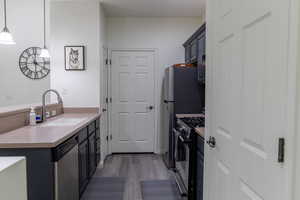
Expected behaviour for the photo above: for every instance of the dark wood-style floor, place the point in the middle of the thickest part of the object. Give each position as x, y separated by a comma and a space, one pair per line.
136, 168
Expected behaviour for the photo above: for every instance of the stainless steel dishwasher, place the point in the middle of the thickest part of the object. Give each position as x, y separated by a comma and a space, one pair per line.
66, 170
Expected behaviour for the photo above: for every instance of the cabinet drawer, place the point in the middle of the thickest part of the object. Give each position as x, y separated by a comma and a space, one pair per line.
82, 135
92, 127
98, 123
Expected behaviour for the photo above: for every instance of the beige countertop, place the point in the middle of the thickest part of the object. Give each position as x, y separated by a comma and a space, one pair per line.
47, 134
200, 131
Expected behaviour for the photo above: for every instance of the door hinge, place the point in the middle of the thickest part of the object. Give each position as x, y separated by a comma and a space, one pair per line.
110, 99
106, 100
111, 137
106, 138
281, 150
108, 62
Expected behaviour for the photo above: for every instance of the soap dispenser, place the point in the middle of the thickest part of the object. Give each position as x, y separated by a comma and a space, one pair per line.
32, 117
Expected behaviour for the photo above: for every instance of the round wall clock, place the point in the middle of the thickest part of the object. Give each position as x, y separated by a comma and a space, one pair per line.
32, 65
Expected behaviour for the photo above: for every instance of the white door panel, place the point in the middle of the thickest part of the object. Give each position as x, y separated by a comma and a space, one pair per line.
133, 92
249, 98
104, 105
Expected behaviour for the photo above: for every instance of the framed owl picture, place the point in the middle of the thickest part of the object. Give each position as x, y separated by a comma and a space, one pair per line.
74, 58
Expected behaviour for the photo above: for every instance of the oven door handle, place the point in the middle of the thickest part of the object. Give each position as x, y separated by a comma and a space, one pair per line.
184, 141
179, 136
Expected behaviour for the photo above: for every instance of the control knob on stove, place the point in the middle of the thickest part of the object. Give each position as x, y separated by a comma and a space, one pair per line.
182, 129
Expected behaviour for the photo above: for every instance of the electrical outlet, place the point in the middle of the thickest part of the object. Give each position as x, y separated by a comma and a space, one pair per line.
65, 92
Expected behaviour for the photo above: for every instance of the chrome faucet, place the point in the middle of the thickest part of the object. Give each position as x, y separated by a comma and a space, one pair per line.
59, 99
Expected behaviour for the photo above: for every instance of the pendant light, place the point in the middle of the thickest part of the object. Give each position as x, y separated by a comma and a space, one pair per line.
5, 36
45, 52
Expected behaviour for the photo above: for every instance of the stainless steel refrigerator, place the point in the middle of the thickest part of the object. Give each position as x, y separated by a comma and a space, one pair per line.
182, 94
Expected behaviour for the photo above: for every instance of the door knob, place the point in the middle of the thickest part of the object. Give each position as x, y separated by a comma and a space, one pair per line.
150, 107
211, 142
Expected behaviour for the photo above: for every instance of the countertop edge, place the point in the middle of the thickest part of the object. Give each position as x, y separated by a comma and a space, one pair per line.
200, 131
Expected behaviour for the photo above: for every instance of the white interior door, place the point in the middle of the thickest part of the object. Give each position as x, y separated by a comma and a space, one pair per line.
248, 42
104, 104
133, 126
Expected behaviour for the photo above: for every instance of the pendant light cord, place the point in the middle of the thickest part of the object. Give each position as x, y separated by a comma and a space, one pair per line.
5, 20
44, 24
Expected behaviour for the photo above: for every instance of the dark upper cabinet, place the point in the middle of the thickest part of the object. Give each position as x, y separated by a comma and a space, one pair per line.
83, 166
195, 51
187, 53
201, 57
201, 45
193, 56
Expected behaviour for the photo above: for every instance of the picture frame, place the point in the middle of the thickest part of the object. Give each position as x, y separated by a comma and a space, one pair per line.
74, 58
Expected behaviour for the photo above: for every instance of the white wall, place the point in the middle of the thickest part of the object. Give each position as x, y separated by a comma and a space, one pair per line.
166, 35
102, 46
296, 158
25, 21
76, 23
79, 23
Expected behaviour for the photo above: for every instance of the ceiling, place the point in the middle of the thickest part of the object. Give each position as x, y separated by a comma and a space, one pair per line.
154, 8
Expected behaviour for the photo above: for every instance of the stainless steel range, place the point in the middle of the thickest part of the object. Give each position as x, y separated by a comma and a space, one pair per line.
185, 144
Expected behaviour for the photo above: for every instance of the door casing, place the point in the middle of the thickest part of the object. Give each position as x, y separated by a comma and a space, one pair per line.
156, 93
103, 96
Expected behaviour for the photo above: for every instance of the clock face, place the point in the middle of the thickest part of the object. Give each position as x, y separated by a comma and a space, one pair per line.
32, 65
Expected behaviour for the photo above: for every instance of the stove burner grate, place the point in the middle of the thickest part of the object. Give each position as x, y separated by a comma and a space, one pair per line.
194, 122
